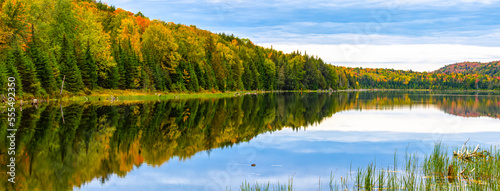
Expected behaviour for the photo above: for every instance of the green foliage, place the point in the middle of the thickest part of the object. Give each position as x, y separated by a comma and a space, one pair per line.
12, 71
108, 47
27, 72
89, 70
399, 79
3, 78
73, 79
44, 70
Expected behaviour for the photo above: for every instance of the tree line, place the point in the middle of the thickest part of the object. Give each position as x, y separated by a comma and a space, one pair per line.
401, 79
489, 68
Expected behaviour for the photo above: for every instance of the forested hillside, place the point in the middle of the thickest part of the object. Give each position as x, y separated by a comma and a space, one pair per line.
490, 68
402, 79
95, 46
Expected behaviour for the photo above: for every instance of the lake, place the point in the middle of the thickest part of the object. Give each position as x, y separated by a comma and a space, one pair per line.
218, 144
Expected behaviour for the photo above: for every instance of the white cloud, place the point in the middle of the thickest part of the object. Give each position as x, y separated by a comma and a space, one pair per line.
419, 43
401, 124
418, 57
390, 4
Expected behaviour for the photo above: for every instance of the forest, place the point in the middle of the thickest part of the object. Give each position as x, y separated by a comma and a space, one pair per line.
95, 46
90, 46
490, 68
407, 79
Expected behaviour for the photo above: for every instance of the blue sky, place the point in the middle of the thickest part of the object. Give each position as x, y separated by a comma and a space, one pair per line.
402, 34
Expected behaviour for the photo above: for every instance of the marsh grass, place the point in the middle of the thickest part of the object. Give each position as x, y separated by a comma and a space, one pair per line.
246, 186
439, 170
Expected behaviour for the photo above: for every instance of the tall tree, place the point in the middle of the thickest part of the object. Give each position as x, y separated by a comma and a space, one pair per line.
44, 69
27, 71
89, 72
12, 71
69, 68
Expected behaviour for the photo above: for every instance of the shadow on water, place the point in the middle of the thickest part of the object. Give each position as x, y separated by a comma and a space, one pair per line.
99, 139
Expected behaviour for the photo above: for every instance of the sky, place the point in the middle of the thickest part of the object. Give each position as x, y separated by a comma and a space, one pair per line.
402, 34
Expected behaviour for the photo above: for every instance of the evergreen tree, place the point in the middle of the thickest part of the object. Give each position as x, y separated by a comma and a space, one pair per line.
132, 68
281, 78
89, 72
3, 78
113, 77
237, 70
121, 60
12, 72
44, 69
248, 77
27, 71
200, 75
192, 82
73, 80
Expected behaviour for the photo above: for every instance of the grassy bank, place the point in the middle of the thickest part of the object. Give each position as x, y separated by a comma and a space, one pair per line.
141, 95
138, 95
467, 168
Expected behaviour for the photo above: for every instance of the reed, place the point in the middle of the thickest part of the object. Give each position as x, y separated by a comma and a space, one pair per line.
467, 168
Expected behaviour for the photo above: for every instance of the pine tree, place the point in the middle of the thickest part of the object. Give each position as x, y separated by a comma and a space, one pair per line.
145, 78
89, 73
3, 78
121, 59
44, 69
189, 77
237, 70
201, 76
27, 71
12, 72
113, 77
248, 77
207, 77
281, 78
69, 68
133, 68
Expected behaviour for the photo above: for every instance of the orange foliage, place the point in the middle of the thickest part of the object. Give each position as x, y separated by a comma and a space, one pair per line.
143, 23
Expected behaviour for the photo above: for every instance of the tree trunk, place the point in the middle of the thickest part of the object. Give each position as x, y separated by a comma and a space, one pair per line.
62, 85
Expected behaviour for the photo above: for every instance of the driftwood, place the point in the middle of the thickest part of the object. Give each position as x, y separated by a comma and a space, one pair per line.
467, 155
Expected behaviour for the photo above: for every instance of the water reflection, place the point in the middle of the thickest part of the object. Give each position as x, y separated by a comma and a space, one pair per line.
103, 140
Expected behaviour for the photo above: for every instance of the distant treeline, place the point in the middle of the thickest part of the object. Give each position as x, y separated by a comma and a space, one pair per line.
401, 79
90, 45
489, 68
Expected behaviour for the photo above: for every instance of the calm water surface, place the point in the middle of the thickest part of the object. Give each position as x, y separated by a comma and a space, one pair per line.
210, 144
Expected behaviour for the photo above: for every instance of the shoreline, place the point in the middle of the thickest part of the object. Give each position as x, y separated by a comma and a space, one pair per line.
117, 95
